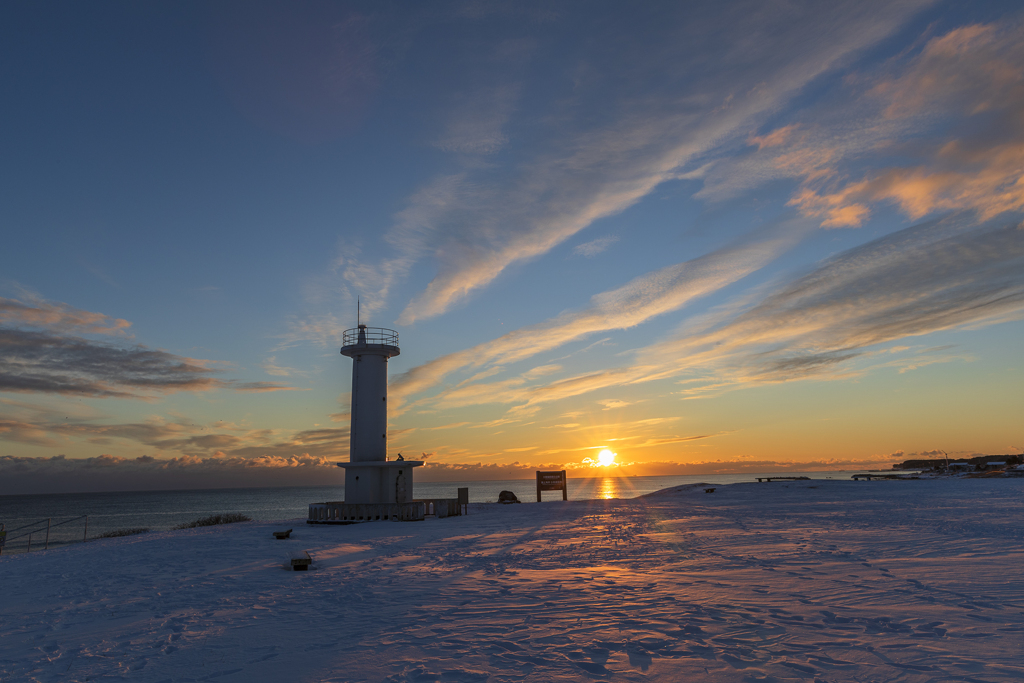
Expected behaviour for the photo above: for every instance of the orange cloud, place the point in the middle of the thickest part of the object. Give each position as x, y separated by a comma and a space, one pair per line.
835, 210
973, 68
774, 139
58, 317
955, 107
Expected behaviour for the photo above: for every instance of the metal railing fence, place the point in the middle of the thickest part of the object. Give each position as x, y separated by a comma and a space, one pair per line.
369, 335
28, 530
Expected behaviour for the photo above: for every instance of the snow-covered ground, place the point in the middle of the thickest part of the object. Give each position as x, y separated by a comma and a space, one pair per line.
815, 580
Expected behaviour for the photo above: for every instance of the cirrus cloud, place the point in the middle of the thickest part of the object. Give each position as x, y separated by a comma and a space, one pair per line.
608, 141
952, 110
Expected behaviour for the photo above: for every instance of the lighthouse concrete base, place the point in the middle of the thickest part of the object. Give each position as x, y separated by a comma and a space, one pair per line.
348, 513
379, 482
416, 511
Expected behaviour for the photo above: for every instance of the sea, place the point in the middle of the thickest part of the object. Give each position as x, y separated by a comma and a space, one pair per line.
36, 521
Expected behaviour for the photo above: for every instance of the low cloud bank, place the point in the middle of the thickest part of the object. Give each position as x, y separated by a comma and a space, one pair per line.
495, 471
60, 474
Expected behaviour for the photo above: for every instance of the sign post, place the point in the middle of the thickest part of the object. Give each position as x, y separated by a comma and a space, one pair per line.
552, 481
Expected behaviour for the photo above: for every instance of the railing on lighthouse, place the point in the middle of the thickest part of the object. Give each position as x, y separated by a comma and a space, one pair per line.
377, 336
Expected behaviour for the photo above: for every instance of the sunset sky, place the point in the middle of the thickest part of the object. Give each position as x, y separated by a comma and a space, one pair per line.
709, 237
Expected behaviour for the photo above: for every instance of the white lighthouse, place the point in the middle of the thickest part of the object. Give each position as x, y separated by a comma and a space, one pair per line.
376, 489
370, 478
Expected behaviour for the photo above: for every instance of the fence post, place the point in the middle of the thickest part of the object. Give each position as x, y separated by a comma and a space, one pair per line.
47, 546
29, 549
85, 534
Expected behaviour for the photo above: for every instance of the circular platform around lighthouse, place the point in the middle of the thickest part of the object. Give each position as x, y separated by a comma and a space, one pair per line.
370, 340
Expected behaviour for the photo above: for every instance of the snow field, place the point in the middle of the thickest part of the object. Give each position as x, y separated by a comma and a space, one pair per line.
816, 581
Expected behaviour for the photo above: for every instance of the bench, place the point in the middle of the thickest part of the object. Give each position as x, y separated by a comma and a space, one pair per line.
709, 490
760, 479
282, 534
300, 560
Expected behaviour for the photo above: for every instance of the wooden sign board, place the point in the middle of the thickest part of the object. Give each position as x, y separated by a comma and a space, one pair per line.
552, 481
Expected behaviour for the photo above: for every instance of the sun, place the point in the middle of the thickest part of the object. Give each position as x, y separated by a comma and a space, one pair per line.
605, 458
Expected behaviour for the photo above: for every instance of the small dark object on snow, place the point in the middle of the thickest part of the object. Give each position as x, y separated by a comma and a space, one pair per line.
282, 534
300, 560
709, 490
507, 497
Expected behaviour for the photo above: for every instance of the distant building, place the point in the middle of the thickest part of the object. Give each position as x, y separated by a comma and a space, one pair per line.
980, 462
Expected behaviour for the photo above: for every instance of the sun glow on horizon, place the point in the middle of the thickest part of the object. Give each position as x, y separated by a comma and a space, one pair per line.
606, 458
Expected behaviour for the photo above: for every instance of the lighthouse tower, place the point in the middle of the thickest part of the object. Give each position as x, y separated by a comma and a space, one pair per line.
370, 478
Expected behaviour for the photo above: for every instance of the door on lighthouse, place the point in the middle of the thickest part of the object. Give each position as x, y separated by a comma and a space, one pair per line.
400, 493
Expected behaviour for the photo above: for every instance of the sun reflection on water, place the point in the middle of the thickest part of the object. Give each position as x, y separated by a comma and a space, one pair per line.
609, 487
606, 488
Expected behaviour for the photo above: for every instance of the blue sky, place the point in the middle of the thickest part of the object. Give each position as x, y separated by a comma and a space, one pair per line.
706, 236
